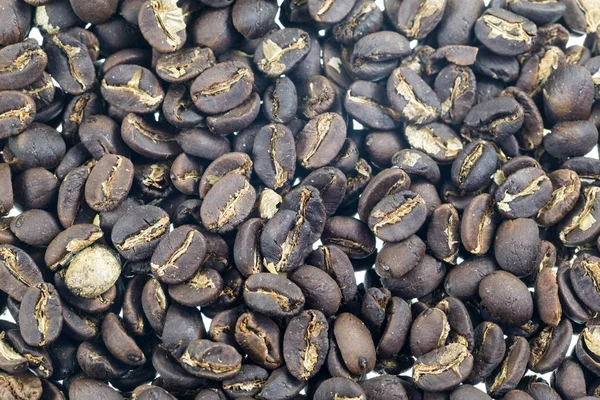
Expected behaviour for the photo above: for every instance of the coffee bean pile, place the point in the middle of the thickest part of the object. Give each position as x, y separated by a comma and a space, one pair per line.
167, 163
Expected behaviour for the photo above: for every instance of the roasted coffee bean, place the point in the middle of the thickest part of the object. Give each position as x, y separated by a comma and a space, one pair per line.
364, 18
11, 361
580, 225
496, 66
337, 387
69, 242
583, 277
498, 292
331, 184
495, 119
473, 166
182, 325
443, 368
38, 146
273, 295
571, 139
211, 360
70, 63
236, 119
260, 337
162, 24
336, 263
354, 343
274, 155
397, 259
96, 362
417, 18
569, 380
387, 182
305, 344
546, 297
148, 138
443, 233
505, 33
419, 281
512, 369
101, 136
119, 343
109, 183
549, 348
581, 17
138, 233
320, 141
321, 291
367, 102
178, 255
222, 87
524, 193
24, 385
329, 12
35, 227
18, 270
155, 304
17, 112
561, 104
516, 245
488, 351
202, 143
566, 187
347, 159
398, 216
412, 97
351, 235
36, 188
214, 28
132, 88
417, 165
285, 240
21, 64
375, 56
281, 383
248, 382
429, 331
40, 315
455, 86
179, 109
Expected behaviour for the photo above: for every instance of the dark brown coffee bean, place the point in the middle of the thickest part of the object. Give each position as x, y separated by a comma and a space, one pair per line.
281, 51
320, 141
505, 33
569, 380
549, 348
355, 343
101, 135
429, 331
566, 188
253, 18
36, 188
516, 246
443, 368
417, 165
495, 119
163, 25
398, 216
498, 292
38, 146
139, 232
21, 64
273, 295
35, 227
281, 383
331, 183
583, 276
305, 344
178, 255
214, 28
172, 372
571, 139
260, 337
417, 18
227, 204
17, 112
132, 88
329, 12
179, 109
280, 101
20, 386
397, 259
320, 290
478, 224
40, 315
222, 87
412, 97
375, 56
274, 155
182, 325
18, 270
387, 182
246, 250
473, 166
119, 343
364, 18
11, 361
547, 298
202, 143
96, 362
70, 63
235, 119
185, 173
580, 225
561, 104
338, 387
367, 102
488, 351
524, 193
511, 370
353, 236
581, 17
109, 183
211, 360
148, 138
75, 157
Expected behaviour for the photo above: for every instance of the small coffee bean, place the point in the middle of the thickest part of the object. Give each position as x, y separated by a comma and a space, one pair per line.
178, 255
274, 155
222, 87
35, 227
571, 139
505, 33
119, 343
516, 246
429, 331
179, 109
321, 292
320, 141
419, 281
524, 193
235, 119
455, 86
561, 104
412, 97
253, 18
364, 18
281, 383
38, 146
355, 343
148, 138
398, 216
21, 64
495, 119
329, 12
163, 25
202, 143
40, 315
512, 368
417, 18
337, 387
580, 225
273, 295
443, 233
211, 360
70, 63
417, 165
488, 351
24, 385
248, 382
397, 259
109, 183
132, 88
137, 234
498, 292
96, 362
549, 348
569, 380
17, 112
172, 372
546, 297
443, 368
473, 166
182, 325
260, 337
375, 56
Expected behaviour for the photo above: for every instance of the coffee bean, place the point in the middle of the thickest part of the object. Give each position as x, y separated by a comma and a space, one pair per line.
579, 226
260, 337
109, 183
163, 26
473, 166
375, 56
364, 18
96, 362
495, 119
38, 146
549, 348
497, 289
70, 63
202, 143
571, 139
23, 385
517, 255
412, 97
148, 138
119, 343
417, 18
207, 359
22, 64
524, 193
489, 348
512, 369
337, 387
273, 295
274, 155
443, 368
398, 216
132, 88
505, 33
572, 105
354, 343
92, 271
